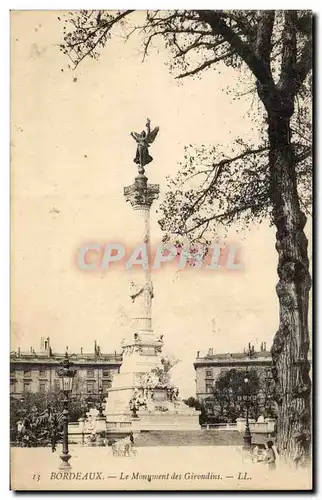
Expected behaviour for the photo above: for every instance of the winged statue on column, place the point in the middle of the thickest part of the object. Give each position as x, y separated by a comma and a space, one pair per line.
144, 140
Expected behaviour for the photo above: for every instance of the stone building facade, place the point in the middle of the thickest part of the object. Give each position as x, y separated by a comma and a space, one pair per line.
209, 366
35, 371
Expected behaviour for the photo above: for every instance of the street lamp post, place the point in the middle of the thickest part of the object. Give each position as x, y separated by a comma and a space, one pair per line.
100, 404
247, 433
100, 419
247, 398
82, 420
66, 375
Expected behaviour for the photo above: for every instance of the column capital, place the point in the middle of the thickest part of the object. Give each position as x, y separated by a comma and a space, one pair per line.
140, 193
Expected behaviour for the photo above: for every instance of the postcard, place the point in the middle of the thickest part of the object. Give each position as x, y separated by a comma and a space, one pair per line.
161, 244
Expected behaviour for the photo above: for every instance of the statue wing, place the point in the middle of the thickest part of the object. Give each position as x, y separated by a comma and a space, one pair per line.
135, 289
136, 136
152, 135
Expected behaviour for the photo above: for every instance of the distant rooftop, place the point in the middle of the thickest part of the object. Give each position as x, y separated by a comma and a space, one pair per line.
248, 355
46, 354
248, 352
238, 355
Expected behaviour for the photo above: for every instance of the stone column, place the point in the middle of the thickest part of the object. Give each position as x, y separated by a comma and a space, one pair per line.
141, 196
142, 314
142, 341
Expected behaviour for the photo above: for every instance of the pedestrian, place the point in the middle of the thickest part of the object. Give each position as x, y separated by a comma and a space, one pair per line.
270, 456
257, 455
53, 441
131, 438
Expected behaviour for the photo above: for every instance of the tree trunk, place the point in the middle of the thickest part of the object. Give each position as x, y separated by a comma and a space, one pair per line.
291, 343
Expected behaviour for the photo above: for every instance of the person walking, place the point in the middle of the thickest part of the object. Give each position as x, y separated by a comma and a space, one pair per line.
270, 458
53, 440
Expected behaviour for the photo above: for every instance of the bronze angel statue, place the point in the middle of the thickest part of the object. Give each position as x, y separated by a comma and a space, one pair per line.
144, 140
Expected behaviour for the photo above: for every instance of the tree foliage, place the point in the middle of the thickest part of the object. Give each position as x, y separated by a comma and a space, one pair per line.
192, 402
40, 402
230, 390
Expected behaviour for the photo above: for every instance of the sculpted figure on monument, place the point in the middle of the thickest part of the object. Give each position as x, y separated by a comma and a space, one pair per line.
137, 401
135, 290
144, 140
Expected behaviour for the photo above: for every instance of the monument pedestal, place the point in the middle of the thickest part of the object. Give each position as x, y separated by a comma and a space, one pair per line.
156, 412
171, 420
154, 420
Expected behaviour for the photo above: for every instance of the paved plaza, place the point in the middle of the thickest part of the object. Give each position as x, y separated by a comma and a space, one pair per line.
153, 468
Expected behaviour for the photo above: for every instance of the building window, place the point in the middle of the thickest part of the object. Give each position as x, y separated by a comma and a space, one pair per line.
90, 387
208, 373
209, 388
12, 387
106, 373
12, 372
90, 373
56, 384
26, 386
42, 387
27, 373
42, 373
106, 385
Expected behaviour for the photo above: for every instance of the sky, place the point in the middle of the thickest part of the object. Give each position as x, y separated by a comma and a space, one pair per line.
71, 156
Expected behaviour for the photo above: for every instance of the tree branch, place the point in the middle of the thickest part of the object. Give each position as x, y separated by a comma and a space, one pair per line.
224, 215
245, 27
105, 26
288, 65
264, 37
217, 167
219, 27
205, 65
303, 156
197, 44
305, 64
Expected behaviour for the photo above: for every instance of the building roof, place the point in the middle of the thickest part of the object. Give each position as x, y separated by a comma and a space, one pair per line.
238, 355
248, 356
47, 356
232, 360
58, 359
229, 359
